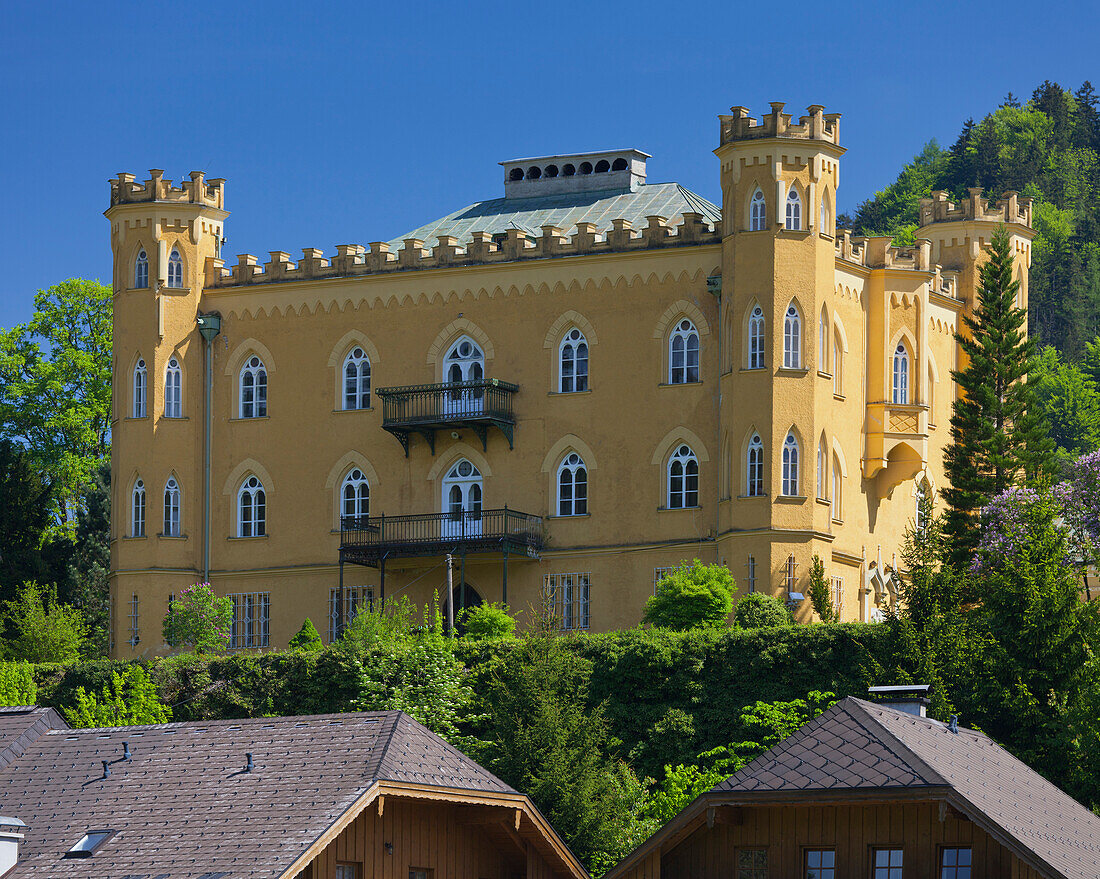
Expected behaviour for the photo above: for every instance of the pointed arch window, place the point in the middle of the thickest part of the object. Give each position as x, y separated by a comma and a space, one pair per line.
253, 389
756, 338
794, 209
823, 342
355, 495
171, 508
826, 226
901, 374
357, 380
754, 467
822, 472
790, 466
141, 270
137, 510
572, 486
683, 479
175, 269
683, 353
573, 360
141, 384
838, 490
758, 212
838, 365
251, 509
792, 338
173, 389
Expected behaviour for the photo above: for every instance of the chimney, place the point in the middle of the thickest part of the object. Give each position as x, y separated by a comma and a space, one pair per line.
907, 698
11, 831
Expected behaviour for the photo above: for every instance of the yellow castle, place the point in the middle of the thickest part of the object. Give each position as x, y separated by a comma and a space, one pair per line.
568, 389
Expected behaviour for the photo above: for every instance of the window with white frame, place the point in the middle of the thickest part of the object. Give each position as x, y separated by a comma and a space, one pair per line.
251, 509
836, 585
790, 466
794, 209
137, 510
135, 638
573, 362
758, 212
356, 599
175, 269
955, 863
141, 270
171, 508
683, 479
141, 378
357, 380
173, 389
823, 342
572, 486
568, 599
822, 472
754, 467
825, 228
838, 490
792, 338
683, 353
253, 389
750, 573
355, 495
251, 626
790, 575
838, 366
659, 574
756, 338
901, 374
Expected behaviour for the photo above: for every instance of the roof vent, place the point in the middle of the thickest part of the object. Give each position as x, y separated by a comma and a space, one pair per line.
622, 170
907, 698
11, 832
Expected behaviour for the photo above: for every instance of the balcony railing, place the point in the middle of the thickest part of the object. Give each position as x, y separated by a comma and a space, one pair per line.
369, 539
424, 409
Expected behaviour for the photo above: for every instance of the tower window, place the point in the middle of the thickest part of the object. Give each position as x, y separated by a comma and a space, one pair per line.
137, 510
683, 479
141, 270
253, 389
572, 486
754, 467
175, 269
758, 212
251, 509
790, 466
551, 170
901, 374
586, 167
603, 166
171, 508
140, 385
792, 338
515, 174
534, 173
573, 360
173, 390
683, 354
794, 209
357, 380
568, 170
619, 165
756, 338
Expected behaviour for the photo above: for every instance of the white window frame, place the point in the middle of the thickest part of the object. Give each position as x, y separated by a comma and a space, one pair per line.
175, 269
901, 375
355, 376
572, 486
838, 366
754, 467
252, 389
251, 501
354, 495
137, 509
680, 493
686, 336
251, 625
822, 472
173, 504
836, 584
823, 342
573, 363
140, 387
790, 575
794, 210
173, 389
660, 573
837, 513
141, 270
758, 211
569, 597
791, 451
792, 338
757, 344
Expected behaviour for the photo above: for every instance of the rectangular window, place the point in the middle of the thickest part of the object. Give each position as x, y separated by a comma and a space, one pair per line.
567, 595
820, 863
347, 871
251, 626
752, 863
419, 873
751, 566
356, 598
955, 863
836, 585
886, 864
134, 637
791, 575
659, 574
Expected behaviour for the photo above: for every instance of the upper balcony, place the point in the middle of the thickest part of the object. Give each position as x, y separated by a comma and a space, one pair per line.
424, 409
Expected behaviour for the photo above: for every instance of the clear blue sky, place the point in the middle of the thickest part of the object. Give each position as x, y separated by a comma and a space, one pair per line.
349, 123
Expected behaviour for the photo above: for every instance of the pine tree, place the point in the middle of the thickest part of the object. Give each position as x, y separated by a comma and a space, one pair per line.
1087, 117
998, 435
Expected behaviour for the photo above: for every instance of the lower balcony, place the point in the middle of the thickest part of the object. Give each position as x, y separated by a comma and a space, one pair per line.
423, 409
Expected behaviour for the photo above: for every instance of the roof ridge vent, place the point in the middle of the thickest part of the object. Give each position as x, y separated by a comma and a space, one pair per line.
623, 170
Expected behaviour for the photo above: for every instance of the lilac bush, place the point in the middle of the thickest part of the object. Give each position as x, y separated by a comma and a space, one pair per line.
1005, 528
1078, 498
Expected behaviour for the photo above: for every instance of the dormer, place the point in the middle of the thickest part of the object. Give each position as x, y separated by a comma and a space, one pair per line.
621, 170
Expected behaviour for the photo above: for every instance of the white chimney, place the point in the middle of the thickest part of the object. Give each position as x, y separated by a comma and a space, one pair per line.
907, 698
11, 831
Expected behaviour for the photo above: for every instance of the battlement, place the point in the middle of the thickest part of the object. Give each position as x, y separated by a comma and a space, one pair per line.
354, 259
878, 252
197, 190
818, 125
1010, 208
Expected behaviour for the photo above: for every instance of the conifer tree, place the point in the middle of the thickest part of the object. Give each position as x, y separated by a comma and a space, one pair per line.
998, 436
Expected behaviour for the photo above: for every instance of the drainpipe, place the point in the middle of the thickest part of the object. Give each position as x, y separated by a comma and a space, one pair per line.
209, 327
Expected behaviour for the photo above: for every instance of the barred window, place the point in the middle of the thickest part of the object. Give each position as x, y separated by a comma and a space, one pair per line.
251, 620
659, 574
134, 637
568, 596
356, 598
836, 584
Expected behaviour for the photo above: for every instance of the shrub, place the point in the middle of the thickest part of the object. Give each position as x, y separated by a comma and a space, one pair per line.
307, 639
690, 597
487, 621
131, 700
759, 611
199, 620
820, 597
17, 684
44, 630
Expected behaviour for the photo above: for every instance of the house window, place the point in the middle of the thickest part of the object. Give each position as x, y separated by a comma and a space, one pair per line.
171, 508
357, 380
253, 389
420, 872
756, 338
820, 863
838, 367
887, 863
251, 509
790, 466
173, 390
823, 342
135, 639
838, 490
355, 495
683, 354
683, 479
251, 625
792, 338
955, 863
89, 843
758, 213
920, 522
137, 510
659, 574
573, 358
572, 486
750, 567
825, 227
347, 871
836, 585
752, 863
356, 599
141, 270
901, 374
567, 596
790, 575
175, 269
822, 472
755, 467
140, 385
794, 209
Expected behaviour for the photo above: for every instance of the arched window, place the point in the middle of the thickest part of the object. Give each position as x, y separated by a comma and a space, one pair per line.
838, 365
931, 395
823, 342
901, 374
822, 472
253, 389
175, 269
758, 212
355, 495
357, 380
794, 209
756, 338
573, 358
838, 490
754, 467
515, 174
683, 479
790, 466
603, 166
171, 508
251, 509
618, 165
826, 224
173, 390
792, 338
137, 510
140, 385
920, 520
141, 270
572, 486
683, 354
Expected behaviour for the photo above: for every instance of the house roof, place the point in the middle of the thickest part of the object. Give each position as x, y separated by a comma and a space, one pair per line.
184, 807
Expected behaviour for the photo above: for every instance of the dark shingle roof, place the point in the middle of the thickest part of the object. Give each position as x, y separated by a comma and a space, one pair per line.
20, 725
183, 807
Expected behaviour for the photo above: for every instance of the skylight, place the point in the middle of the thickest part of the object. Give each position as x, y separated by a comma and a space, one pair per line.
89, 843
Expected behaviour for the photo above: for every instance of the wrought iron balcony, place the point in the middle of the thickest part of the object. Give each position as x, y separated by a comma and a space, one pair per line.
370, 539
424, 409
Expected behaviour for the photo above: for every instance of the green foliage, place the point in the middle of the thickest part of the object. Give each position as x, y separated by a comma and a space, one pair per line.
759, 611
130, 700
198, 620
376, 628
17, 685
1070, 400
89, 562
487, 621
820, 596
691, 596
41, 629
26, 499
307, 638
